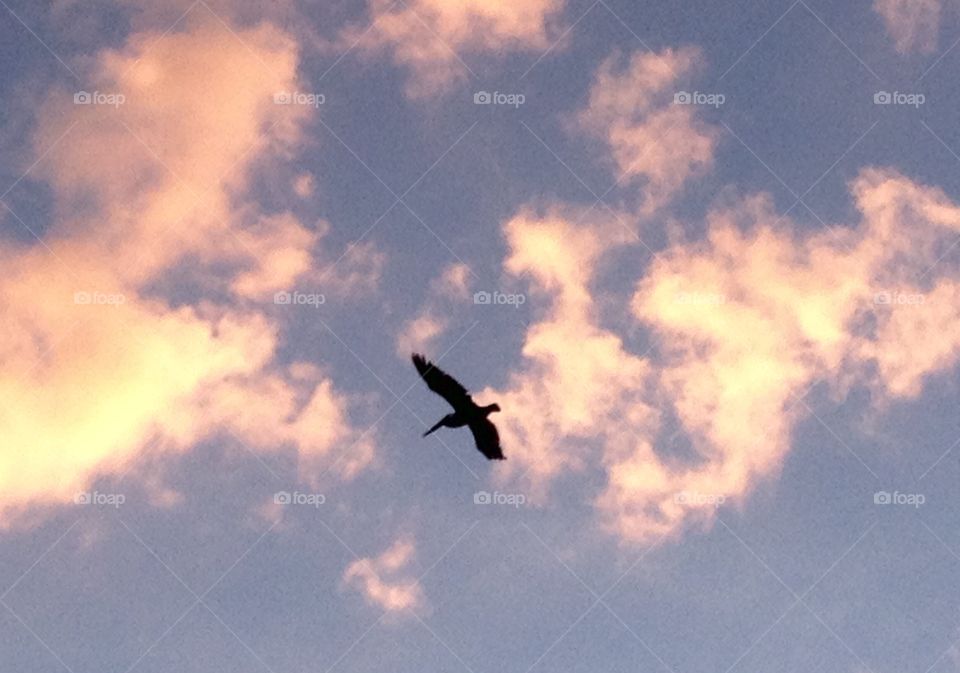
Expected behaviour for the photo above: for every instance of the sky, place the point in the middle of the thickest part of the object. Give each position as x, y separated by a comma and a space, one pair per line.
704, 256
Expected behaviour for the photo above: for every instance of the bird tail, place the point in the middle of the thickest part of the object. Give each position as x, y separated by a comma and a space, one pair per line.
435, 427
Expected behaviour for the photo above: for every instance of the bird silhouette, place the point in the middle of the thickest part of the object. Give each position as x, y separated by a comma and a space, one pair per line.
465, 410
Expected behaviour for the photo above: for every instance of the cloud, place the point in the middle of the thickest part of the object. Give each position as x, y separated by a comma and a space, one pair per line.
420, 333
297, 406
354, 273
653, 141
152, 14
144, 316
385, 580
161, 169
304, 185
278, 250
578, 382
913, 24
453, 283
751, 318
909, 237
429, 37
448, 291
743, 323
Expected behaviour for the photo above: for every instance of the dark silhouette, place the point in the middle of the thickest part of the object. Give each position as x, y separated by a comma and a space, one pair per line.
465, 410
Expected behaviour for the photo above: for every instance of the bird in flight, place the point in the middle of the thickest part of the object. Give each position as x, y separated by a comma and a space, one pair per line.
465, 410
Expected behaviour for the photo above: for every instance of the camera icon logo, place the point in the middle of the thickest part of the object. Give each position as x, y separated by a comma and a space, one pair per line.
281, 498
282, 298
882, 298
682, 98
482, 297
882, 98
82, 298
82, 98
882, 498
482, 498
482, 98
282, 98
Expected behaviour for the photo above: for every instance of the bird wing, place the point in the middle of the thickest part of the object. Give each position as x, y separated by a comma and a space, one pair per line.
487, 439
442, 383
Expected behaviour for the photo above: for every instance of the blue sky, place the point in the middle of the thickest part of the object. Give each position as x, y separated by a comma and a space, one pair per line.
728, 371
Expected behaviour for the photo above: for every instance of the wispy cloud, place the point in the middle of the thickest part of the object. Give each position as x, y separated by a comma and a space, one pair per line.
385, 581
651, 125
421, 332
913, 24
432, 37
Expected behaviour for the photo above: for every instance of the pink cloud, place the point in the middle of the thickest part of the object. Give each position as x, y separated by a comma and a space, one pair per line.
744, 323
913, 24
385, 582
95, 366
652, 141
430, 37
448, 292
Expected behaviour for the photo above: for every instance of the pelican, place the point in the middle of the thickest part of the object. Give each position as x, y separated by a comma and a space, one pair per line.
465, 410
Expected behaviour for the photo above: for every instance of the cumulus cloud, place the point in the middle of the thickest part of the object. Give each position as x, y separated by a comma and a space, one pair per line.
161, 169
653, 141
578, 382
913, 24
142, 318
779, 313
744, 323
430, 37
385, 581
